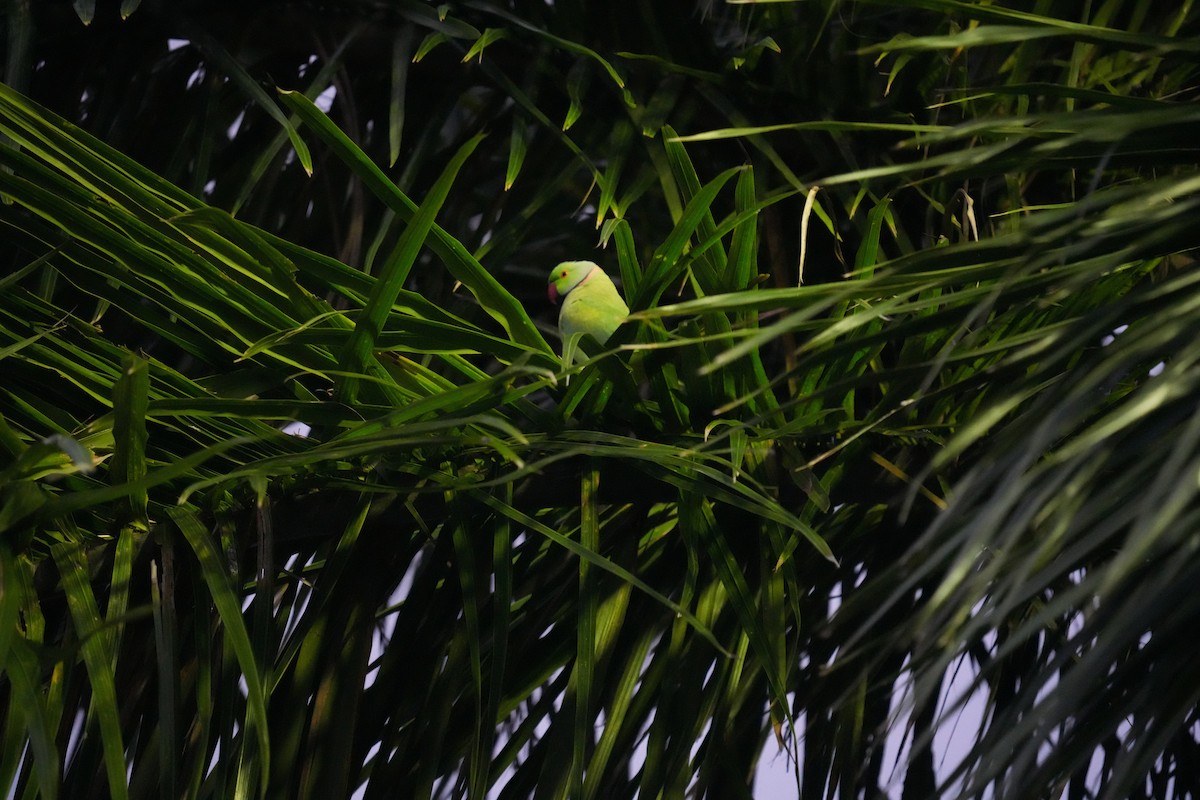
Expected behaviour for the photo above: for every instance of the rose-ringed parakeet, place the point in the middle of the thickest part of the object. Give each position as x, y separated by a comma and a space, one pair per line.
590, 302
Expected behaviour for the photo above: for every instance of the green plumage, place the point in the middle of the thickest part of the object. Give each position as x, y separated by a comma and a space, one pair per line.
590, 302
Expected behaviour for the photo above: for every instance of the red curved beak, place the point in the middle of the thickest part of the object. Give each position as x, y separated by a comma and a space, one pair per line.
552, 293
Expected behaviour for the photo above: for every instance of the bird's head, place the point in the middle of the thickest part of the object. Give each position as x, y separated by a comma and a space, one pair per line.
566, 276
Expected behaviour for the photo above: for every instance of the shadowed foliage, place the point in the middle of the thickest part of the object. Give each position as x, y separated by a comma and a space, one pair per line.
893, 468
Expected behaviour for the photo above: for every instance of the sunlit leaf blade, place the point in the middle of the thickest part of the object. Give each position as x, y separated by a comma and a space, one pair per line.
229, 608
22, 667
86, 10
395, 270
69, 558
496, 300
251, 87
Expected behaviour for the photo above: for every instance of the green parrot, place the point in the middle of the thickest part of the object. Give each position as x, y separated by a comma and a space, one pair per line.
590, 302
